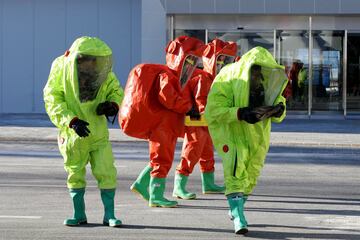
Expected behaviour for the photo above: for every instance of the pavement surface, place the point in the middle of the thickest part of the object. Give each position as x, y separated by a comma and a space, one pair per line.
308, 189
292, 131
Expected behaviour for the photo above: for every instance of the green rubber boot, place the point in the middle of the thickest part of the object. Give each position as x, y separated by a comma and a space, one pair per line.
179, 187
157, 188
236, 203
107, 197
208, 185
245, 197
79, 217
141, 184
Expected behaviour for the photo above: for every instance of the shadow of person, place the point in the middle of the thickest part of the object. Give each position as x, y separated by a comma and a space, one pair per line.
203, 207
284, 235
303, 228
90, 225
177, 228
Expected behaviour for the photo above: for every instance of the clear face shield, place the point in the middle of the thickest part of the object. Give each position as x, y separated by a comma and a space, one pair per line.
265, 85
188, 68
223, 60
92, 72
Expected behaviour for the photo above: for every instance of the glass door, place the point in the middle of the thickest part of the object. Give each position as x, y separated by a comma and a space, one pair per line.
327, 81
353, 73
245, 40
293, 53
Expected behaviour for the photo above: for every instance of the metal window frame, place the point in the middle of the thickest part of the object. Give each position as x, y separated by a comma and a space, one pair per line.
347, 33
345, 62
310, 68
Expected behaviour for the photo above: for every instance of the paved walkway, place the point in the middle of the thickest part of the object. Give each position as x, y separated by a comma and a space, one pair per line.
292, 132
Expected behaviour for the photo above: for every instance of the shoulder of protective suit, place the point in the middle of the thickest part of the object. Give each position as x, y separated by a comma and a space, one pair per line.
57, 60
57, 65
149, 69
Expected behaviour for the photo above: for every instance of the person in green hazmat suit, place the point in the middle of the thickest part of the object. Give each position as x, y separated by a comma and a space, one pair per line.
245, 97
81, 93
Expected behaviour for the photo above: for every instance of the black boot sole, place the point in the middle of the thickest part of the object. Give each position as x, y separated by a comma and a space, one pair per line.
75, 225
242, 231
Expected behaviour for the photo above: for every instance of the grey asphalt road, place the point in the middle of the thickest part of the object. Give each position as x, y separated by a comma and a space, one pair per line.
303, 193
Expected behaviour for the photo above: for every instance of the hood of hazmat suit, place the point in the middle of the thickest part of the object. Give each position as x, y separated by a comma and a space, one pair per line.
155, 96
183, 55
79, 80
217, 54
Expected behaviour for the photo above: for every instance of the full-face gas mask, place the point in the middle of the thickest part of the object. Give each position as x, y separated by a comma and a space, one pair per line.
265, 86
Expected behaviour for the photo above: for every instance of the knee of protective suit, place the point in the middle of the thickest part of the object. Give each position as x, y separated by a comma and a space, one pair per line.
160, 170
103, 168
105, 176
105, 173
185, 167
76, 179
162, 155
207, 165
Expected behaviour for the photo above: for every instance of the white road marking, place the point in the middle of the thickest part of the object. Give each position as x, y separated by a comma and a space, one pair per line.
21, 217
41, 165
338, 222
345, 222
39, 185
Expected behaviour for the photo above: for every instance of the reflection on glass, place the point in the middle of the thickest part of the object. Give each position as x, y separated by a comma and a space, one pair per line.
327, 70
245, 40
293, 54
353, 73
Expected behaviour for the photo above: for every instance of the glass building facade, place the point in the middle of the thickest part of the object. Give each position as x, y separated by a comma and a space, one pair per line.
326, 47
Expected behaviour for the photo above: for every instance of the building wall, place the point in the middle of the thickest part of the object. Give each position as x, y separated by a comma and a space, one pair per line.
34, 32
153, 40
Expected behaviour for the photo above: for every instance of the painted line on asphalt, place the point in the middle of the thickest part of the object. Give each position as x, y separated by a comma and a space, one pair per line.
39, 185
21, 217
41, 165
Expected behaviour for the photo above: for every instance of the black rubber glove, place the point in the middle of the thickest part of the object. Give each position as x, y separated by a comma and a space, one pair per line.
248, 115
107, 108
194, 114
80, 127
279, 110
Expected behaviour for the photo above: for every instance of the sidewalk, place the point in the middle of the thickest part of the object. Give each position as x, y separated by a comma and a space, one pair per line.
292, 132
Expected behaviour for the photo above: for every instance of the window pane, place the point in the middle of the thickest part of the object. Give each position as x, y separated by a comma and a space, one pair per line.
327, 70
293, 54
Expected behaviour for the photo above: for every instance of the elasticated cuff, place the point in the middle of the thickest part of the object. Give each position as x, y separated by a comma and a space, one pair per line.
72, 121
115, 105
239, 114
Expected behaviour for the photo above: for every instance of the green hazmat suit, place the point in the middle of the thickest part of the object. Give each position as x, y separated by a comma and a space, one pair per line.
63, 104
243, 146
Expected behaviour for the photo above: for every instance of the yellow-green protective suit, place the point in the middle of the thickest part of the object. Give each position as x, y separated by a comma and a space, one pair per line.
62, 103
243, 146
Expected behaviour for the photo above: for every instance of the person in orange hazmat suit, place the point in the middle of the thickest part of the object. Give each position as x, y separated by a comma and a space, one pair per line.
154, 108
197, 145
